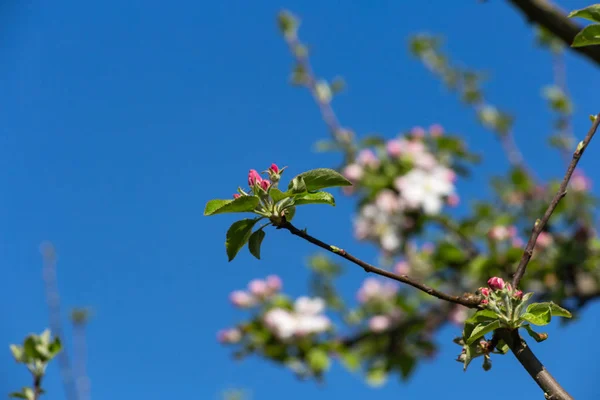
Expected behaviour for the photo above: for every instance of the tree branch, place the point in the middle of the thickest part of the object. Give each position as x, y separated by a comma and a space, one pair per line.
467, 300
562, 191
545, 14
541, 376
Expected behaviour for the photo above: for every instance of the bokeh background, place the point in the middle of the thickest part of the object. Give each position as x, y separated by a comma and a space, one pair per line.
119, 120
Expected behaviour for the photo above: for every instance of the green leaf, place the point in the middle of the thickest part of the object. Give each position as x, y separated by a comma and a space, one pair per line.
538, 337
502, 347
318, 360
255, 241
277, 195
17, 352
241, 204
30, 348
558, 311
590, 35
376, 376
237, 236
591, 13
18, 395
482, 329
289, 213
350, 360
314, 198
322, 178
482, 316
297, 185
538, 317
55, 347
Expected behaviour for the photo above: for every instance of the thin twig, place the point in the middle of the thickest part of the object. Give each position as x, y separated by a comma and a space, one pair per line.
37, 386
53, 300
562, 191
552, 389
79, 363
467, 300
544, 13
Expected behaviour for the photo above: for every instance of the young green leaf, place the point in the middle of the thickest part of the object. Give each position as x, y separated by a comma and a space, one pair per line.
255, 241
591, 13
278, 195
17, 352
558, 311
289, 213
502, 347
590, 35
241, 204
538, 337
314, 198
55, 347
482, 316
322, 178
318, 360
537, 314
238, 235
482, 329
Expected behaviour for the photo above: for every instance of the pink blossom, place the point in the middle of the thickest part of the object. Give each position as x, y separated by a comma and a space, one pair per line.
484, 301
274, 283
436, 130
453, 200
518, 294
496, 283
369, 289
424, 160
544, 240
274, 168
417, 132
366, 157
254, 178
512, 231
379, 323
498, 232
395, 147
258, 288
236, 195
353, 172
484, 291
264, 184
517, 242
231, 335
402, 268
241, 299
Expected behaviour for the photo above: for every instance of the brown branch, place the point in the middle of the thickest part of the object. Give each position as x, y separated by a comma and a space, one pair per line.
545, 14
552, 389
53, 300
467, 300
37, 386
562, 191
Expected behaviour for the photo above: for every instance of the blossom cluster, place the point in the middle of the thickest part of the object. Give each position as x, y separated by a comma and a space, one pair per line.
258, 290
379, 297
419, 182
305, 319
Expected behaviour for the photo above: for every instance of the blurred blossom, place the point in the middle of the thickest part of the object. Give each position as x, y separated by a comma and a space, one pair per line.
458, 315
367, 158
375, 223
402, 268
544, 240
258, 288
579, 182
306, 319
417, 132
274, 283
502, 232
388, 201
436, 130
282, 322
379, 323
426, 189
453, 200
241, 299
353, 172
232, 335
394, 147
308, 306
373, 289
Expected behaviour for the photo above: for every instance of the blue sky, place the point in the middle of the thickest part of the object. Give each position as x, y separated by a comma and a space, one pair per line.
121, 119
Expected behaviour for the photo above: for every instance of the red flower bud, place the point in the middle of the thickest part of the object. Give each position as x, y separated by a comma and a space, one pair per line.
484, 301
518, 294
274, 168
264, 184
236, 196
485, 291
496, 283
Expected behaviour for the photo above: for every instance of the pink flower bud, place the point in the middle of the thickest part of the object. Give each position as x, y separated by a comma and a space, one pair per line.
496, 283
544, 240
264, 184
258, 288
518, 294
484, 301
366, 157
236, 196
394, 147
436, 130
274, 283
274, 168
241, 299
353, 172
485, 292
254, 178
